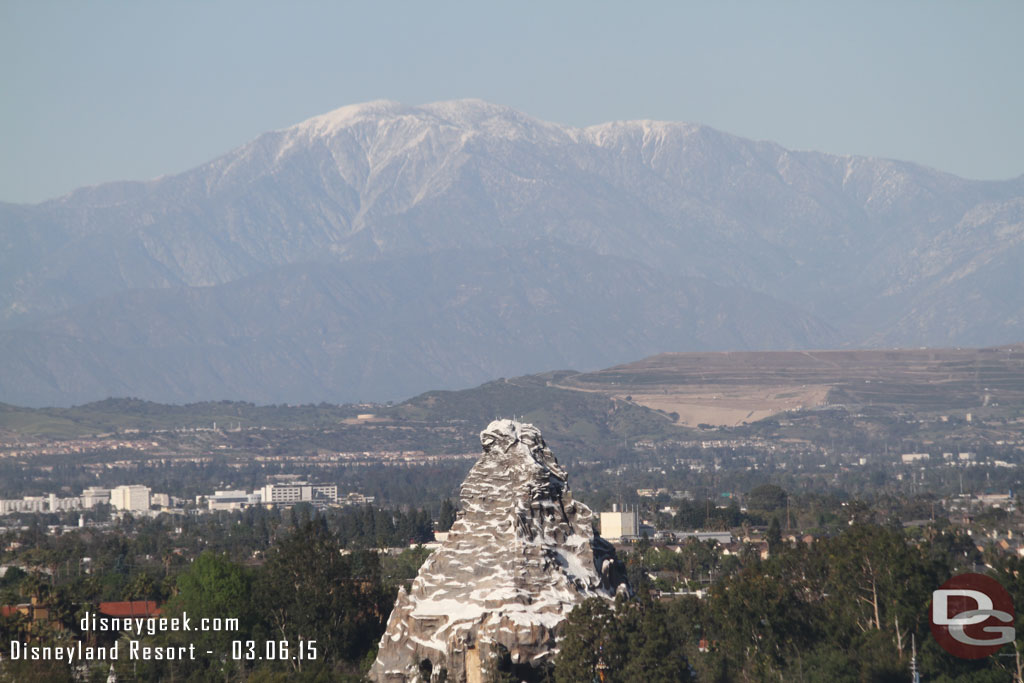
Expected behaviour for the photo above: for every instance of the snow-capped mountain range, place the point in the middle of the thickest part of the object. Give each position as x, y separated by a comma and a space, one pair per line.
380, 250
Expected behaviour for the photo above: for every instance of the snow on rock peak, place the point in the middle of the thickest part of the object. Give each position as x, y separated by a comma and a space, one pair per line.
349, 114
520, 556
468, 115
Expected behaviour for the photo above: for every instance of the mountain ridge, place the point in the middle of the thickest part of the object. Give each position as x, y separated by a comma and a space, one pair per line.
876, 252
315, 315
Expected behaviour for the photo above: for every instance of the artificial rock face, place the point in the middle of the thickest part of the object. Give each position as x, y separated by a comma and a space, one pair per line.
521, 555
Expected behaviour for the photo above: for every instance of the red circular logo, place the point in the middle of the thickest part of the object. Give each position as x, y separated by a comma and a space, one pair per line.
972, 616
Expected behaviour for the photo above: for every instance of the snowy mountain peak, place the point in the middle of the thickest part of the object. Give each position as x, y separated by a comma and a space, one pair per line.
472, 111
466, 115
341, 117
519, 558
726, 243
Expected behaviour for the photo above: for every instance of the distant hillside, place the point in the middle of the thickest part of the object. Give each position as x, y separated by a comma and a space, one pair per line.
569, 416
573, 418
731, 388
662, 397
381, 250
117, 415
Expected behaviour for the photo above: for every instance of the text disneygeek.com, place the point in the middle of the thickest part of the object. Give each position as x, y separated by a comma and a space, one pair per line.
76, 651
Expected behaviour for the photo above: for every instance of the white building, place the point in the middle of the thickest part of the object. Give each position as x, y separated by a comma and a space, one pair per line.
95, 495
721, 537
298, 492
616, 525
232, 500
26, 504
908, 458
70, 503
134, 497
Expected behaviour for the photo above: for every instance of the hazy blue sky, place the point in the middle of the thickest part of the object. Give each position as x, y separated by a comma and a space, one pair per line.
97, 91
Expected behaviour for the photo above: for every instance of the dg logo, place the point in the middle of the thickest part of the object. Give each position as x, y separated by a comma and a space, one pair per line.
972, 616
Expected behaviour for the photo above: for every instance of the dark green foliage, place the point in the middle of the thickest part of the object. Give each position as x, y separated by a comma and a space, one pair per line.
404, 566
628, 641
767, 497
760, 619
447, 516
844, 609
370, 527
656, 650
591, 640
309, 590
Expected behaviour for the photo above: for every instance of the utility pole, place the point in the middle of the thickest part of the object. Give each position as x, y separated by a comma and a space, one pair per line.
707, 511
915, 676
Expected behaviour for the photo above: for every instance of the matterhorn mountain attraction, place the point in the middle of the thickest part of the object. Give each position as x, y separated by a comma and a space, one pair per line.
521, 555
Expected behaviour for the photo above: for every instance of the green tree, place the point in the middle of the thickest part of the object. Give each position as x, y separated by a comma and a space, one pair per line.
446, 516
655, 653
591, 640
767, 497
882, 578
310, 591
213, 587
633, 641
761, 618
143, 586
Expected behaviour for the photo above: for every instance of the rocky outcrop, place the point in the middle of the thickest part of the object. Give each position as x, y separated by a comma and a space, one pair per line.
519, 558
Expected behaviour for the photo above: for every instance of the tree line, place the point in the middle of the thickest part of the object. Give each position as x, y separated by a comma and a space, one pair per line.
846, 607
